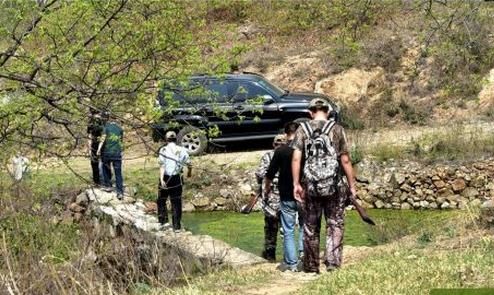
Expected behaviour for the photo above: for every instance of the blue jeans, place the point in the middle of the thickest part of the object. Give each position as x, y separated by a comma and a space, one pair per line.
116, 162
288, 222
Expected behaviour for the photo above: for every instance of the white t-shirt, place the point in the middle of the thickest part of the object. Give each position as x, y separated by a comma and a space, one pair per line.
173, 158
20, 166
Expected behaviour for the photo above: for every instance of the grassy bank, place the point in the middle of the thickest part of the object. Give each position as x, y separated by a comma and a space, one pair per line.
247, 231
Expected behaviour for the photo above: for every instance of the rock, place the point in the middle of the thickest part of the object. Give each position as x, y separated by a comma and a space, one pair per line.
82, 199
379, 204
470, 193
416, 205
433, 205
453, 204
220, 201
128, 200
475, 203
245, 189
67, 218
458, 185
100, 196
403, 197
490, 186
445, 205
74, 207
388, 206
478, 182
78, 217
188, 207
487, 204
224, 193
424, 204
198, 195
397, 180
406, 206
435, 178
439, 184
406, 188
201, 202
151, 207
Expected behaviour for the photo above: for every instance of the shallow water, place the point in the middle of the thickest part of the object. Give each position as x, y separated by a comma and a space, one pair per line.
247, 231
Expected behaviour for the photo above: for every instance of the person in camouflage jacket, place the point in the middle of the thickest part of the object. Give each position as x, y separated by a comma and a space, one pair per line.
271, 203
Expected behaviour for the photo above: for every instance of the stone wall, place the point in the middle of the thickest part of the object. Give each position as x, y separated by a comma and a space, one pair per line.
411, 185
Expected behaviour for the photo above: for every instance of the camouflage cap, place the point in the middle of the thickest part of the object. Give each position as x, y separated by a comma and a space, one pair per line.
279, 139
319, 102
170, 135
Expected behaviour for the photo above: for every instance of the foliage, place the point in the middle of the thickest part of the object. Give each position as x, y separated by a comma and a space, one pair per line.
59, 60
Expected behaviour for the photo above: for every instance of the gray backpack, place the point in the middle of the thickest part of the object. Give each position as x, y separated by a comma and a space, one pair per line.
321, 161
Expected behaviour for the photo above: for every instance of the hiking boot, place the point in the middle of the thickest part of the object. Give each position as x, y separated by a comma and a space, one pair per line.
269, 255
285, 267
120, 196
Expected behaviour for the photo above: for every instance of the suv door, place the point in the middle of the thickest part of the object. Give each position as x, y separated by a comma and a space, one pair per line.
254, 108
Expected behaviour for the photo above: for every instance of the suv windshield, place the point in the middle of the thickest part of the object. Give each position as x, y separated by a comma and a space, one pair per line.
265, 83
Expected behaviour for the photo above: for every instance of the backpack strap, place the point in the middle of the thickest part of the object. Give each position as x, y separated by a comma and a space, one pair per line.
307, 129
328, 126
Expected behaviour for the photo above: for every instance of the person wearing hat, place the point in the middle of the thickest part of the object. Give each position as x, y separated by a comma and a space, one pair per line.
110, 149
281, 163
330, 193
270, 202
172, 159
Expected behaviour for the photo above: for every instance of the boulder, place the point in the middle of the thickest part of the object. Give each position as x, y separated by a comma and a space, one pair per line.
188, 207
82, 199
128, 200
379, 204
151, 207
433, 205
406, 206
220, 201
458, 185
201, 202
487, 204
439, 184
245, 189
397, 180
445, 205
74, 207
470, 193
424, 204
224, 193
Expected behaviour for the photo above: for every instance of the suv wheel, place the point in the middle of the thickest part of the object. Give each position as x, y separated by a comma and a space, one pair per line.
193, 139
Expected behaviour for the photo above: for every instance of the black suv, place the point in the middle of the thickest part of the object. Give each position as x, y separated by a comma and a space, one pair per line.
241, 107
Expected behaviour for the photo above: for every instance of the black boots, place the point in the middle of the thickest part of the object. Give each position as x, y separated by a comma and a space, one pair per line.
269, 254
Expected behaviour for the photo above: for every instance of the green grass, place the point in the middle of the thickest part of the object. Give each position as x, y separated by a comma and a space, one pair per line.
247, 231
410, 271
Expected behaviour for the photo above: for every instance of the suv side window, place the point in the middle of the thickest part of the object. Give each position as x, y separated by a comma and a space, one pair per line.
217, 91
241, 91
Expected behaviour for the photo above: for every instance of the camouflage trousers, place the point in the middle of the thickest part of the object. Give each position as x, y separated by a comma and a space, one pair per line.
334, 212
271, 227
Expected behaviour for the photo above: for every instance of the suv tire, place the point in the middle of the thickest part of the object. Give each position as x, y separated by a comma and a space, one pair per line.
193, 139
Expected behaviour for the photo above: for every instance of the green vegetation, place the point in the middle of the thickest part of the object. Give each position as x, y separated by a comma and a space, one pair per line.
247, 231
411, 271
452, 143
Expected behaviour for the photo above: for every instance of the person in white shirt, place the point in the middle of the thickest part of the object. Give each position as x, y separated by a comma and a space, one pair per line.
20, 166
172, 159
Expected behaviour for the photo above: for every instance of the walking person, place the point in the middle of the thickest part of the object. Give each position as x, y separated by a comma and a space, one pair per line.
110, 149
271, 202
172, 159
95, 131
322, 144
281, 163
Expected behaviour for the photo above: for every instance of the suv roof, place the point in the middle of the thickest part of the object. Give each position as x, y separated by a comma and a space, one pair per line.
240, 76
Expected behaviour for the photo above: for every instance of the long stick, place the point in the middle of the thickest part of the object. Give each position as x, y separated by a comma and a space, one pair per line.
360, 210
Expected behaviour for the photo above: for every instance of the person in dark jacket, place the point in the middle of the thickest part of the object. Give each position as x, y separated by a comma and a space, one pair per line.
110, 149
281, 163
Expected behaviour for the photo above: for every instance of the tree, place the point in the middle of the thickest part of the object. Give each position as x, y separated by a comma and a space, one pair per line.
61, 59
